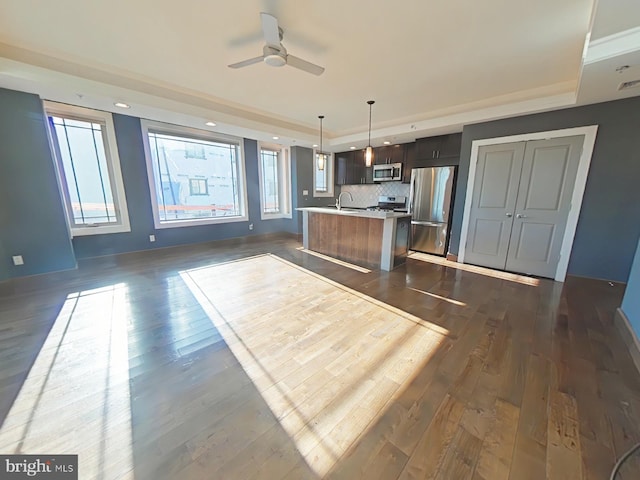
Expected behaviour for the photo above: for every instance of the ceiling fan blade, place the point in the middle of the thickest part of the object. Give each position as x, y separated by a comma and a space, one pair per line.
304, 65
245, 63
270, 29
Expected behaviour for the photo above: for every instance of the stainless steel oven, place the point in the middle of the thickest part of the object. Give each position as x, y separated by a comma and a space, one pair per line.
387, 172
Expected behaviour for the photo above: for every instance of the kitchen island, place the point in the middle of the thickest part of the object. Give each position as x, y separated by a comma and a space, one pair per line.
373, 239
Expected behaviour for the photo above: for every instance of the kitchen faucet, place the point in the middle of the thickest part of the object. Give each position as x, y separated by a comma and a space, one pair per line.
338, 205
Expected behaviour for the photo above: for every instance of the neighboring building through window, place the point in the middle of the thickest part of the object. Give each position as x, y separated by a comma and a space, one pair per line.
198, 186
195, 177
88, 167
323, 179
275, 182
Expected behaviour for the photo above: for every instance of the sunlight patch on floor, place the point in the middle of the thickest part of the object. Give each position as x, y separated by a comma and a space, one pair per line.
439, 297
75, 399
342, 263
512, 277
327, 359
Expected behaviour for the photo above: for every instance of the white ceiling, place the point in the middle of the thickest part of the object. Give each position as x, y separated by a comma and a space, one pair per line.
430, 66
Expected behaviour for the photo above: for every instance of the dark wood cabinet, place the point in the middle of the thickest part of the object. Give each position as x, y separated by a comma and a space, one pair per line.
440, 147
389, 154
409, 162
440, 151
343, 160
351, 170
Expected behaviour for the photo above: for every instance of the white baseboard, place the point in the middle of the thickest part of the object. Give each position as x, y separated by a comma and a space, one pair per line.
628, 335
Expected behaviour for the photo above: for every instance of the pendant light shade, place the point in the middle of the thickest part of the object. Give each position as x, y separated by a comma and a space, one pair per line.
368, 154
320, 155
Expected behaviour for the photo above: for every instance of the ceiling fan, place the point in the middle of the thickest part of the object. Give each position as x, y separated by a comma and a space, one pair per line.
274, 53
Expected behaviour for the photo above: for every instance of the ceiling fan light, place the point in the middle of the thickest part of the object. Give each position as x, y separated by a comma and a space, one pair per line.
275, 60
368, 156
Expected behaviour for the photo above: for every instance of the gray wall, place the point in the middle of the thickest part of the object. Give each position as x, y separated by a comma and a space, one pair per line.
608, 226
631, 301
302, 179
32, 222
4, 264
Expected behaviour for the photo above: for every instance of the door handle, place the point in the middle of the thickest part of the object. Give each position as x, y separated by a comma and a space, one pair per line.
509, 214
520, 215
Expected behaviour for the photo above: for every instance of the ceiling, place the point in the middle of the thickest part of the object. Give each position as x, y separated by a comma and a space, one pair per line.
430, 66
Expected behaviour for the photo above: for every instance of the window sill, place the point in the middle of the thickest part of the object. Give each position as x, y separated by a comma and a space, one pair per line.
99, 230
274, 216
196, 223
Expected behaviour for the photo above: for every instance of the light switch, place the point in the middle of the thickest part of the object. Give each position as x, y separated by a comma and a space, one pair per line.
305, 192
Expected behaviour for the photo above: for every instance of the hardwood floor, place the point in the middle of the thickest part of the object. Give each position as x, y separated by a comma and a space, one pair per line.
218, 361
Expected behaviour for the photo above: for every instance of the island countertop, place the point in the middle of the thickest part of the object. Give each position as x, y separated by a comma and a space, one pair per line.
383, 214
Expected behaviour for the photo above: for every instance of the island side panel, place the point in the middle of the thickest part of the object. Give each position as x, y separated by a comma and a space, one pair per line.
323, 230
388, 244
374, 241
353, 243
353, 239
305, 229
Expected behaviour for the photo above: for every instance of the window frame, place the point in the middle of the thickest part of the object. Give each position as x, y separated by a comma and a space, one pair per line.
329, 169
114, 169
196, 134
284, 181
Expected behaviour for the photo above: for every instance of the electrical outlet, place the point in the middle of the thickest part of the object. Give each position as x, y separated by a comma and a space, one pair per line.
17, 260
251, 226
152, 238
305, 192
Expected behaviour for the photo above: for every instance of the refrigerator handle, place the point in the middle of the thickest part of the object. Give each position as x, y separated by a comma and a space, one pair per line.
411, 193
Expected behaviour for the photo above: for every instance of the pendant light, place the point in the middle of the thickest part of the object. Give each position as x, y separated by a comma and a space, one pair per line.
320, 156
368, 154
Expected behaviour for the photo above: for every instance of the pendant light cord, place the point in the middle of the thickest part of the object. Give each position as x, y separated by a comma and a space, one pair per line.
370, 102
320, 117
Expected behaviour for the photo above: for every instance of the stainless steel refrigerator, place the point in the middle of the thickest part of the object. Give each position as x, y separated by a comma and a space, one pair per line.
430, 204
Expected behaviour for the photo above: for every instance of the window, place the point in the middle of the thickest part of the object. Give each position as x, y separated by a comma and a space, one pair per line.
323, 179
84, 146
198, 186
195, 177
275, 181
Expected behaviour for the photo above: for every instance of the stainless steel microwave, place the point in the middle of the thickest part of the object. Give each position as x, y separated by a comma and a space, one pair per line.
387, 172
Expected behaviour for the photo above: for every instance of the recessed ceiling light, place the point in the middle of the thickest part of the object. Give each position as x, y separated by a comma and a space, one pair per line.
276, 138
122, 105
352, 148
315, 145
386, 143
210, 124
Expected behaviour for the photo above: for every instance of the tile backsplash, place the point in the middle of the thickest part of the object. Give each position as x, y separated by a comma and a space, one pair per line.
367, 195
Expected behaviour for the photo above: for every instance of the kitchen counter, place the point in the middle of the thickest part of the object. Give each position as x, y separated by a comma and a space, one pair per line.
358, 212
373, 239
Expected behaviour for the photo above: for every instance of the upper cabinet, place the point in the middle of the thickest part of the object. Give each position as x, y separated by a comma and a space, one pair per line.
409, 162
389, 154
440, 151
350, 169
436, 148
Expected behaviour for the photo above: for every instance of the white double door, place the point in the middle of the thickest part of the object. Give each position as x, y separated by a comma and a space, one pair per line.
521, 200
